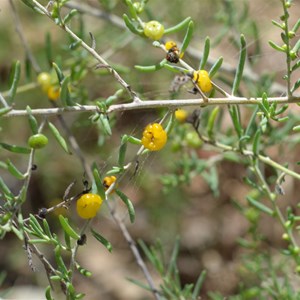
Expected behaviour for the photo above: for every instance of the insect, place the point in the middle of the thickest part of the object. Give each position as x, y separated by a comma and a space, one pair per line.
173, 54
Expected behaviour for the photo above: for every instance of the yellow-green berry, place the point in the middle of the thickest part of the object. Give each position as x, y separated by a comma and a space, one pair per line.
37, 141
154, 30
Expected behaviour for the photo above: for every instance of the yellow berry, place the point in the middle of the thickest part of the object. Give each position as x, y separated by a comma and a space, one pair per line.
170, 44
44, 80
53, 93
154, 137
108, 181
154, 30
88, 205
202, 79
181, 115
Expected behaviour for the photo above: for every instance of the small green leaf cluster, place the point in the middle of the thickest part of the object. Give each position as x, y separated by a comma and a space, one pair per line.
290, 48
171, 287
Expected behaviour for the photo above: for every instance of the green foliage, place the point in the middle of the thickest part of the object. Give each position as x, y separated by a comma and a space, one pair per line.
237, 122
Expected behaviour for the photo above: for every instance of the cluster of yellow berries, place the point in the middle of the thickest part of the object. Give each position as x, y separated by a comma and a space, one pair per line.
201, 78
52, 90
88, 204
154, 137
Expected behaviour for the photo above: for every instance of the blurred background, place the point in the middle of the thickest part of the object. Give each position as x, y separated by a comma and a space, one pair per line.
205, 209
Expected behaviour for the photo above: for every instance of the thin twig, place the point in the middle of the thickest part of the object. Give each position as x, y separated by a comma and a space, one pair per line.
265, 159
152, 104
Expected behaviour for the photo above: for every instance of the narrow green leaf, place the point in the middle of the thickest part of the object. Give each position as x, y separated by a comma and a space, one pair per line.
35, 226
83, 271
75, 45
48, 293
15, 149
15, 80
179, 26
151, 68
134, 140
260, 206
122, 151
198, 285
5, 189
38, 241
251, 123
28, 69
140, 284
102, 240
98, 181
281, 110
176, 69
187, 37
215, 67
128, 203
29, 3
131, 9
256, 141
235, 116
14, 171
296, 128
174, 255
276, 47
147, 251
211, 122
5, 110
240, 67
64, 93
294, 67
70, 15
296, 47
111, 99
265, 101
296, 86
59, 260
277, 24
59, 137
284, 38
283, 119
131, 26
59, 72
67, 228
47, 229
48, 48
32, 121
104, 121
205, 53
296, 26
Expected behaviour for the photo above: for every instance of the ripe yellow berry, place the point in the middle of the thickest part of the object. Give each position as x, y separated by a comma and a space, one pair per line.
202, 79
108, 181
88, 205
44, 80
170, 44
53, 93
181, 115
154, 30
154, 137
